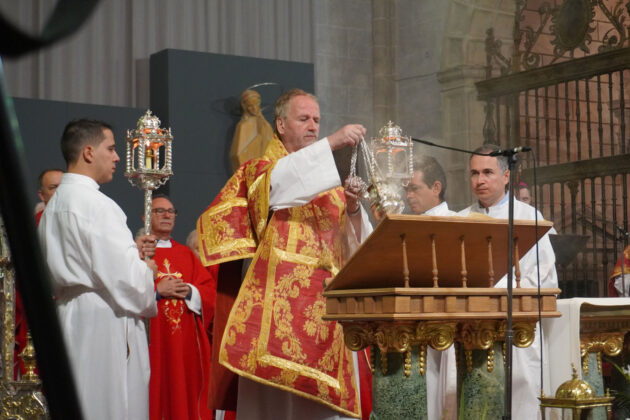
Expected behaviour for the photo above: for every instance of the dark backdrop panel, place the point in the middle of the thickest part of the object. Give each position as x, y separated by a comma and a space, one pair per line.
41, 125
198, 96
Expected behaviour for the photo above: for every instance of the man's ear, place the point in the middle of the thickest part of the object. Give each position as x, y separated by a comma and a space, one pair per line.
437, 187
87, 153
40, 195
280, 125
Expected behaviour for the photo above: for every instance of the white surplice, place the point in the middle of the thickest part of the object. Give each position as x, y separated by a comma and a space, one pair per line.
103, 290
296, 179
526, 384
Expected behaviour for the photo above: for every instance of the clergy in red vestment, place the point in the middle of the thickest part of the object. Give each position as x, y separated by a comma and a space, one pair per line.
179, 347
48, 181
289, 214
616, 283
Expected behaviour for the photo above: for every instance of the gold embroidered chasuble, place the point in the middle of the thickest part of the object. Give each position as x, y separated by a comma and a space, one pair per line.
274, 334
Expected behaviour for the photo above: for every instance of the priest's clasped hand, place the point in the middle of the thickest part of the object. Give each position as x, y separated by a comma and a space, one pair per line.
173, 288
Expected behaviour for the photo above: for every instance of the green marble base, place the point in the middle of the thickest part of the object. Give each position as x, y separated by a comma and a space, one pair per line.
394, 395
596, 380
480, 393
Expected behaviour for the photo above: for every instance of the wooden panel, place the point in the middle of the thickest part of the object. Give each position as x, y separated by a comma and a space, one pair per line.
379, 305
478, 304
369, 305
351, 305
403, 304
389, 304
417, 304
429, 304
451, 304
503, 306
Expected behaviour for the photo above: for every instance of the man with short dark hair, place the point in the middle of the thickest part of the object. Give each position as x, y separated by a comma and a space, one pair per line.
489, 177
47, 182
427, 188
288, 212
103, 288
179, 346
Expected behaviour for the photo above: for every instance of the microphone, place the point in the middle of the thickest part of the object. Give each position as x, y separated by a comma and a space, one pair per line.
510, 152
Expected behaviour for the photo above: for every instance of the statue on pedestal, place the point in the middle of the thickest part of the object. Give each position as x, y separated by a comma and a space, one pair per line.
253, 132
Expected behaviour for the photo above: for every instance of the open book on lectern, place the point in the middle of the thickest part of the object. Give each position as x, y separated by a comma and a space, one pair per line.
474, 248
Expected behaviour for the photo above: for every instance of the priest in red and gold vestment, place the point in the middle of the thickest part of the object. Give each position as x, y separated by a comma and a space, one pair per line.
615, 282
179, 346
287, 212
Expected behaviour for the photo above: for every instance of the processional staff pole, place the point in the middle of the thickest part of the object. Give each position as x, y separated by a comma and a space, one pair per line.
149, 159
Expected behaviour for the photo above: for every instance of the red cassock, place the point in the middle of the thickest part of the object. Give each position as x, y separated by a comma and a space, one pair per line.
179, 346
21, 326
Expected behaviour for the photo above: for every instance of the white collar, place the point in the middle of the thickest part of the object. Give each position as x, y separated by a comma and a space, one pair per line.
163, 243
437, 208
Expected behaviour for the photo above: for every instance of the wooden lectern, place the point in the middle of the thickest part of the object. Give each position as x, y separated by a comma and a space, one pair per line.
421, 281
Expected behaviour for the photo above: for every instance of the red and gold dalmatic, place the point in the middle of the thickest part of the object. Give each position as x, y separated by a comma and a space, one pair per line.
275, 334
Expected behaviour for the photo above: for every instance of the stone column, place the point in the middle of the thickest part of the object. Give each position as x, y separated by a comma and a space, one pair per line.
399, 389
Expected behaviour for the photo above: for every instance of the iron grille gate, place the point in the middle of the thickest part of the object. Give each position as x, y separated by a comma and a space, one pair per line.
573, 114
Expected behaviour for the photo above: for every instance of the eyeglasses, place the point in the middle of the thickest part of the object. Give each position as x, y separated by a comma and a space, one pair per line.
160, 210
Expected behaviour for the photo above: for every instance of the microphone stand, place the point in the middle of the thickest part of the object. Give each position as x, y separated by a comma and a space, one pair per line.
511, 155
509, 332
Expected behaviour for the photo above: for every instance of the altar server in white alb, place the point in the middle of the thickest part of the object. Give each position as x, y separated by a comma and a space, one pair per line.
489, 177
103, 287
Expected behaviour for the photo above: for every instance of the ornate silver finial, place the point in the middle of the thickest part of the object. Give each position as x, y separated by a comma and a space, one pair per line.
149, 159
148, 120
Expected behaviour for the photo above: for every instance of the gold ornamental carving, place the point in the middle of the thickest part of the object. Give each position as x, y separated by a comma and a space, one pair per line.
21, 399
524, 334
358, 336
610, 344
482, 334
479, 335
439, 336
401, 337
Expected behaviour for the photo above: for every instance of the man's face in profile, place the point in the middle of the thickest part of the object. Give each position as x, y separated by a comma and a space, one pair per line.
420, 196
300, 128
50, 182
